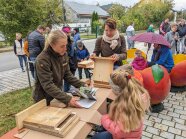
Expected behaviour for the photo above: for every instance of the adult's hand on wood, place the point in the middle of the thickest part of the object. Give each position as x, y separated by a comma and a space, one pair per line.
73, 102
92, 56
115, 57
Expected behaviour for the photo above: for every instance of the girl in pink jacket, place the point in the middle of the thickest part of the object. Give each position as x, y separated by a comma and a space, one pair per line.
139, 62
127, 111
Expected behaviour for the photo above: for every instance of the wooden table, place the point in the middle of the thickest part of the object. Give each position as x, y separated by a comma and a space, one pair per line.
82, 128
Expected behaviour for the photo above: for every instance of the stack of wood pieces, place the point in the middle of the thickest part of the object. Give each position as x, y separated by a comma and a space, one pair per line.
86, 64
50, 120
103, 67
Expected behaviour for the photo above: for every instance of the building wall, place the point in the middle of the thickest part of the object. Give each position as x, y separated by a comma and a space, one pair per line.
71, 16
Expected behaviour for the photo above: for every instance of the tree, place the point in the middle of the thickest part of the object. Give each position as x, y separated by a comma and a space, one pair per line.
93, 21
25, 15
117, 10
152, 12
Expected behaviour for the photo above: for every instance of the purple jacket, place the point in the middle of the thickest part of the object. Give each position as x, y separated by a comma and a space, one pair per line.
139, 63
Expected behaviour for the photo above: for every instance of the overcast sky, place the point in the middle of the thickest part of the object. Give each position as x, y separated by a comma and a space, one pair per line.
179, 4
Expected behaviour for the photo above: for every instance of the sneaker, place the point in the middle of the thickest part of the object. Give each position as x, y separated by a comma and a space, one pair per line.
23, 70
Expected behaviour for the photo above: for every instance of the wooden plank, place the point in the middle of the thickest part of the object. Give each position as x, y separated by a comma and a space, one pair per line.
103, 58
101, 82
80, 131
48, 117
66, 122
103, 67
85, 64
64, 133
20, 117
58, 133
99, 85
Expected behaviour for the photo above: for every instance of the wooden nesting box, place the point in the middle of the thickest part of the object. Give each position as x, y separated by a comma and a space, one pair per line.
103, 67
50, 120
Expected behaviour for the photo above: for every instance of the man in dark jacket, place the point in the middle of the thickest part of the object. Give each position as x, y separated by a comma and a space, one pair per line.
182, 33
71, 55
164, 27
51, 69
36, 42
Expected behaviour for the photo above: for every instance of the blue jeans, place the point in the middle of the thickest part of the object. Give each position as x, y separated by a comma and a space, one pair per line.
21, 58
87, 73
32, 66
102, 135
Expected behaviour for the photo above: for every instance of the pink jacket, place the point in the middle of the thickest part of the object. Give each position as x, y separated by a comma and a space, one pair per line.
117, 133
139, 63
115, 130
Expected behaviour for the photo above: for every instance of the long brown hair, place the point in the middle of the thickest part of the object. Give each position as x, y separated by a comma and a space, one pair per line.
128, 108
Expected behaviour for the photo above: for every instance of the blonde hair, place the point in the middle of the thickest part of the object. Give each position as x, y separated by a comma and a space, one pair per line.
53, 37
19, 34
128, 108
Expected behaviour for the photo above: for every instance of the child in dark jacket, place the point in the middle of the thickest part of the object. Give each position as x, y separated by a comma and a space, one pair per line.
139, 62
82, 54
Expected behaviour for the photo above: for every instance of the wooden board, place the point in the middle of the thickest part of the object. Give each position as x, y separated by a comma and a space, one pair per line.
99, 85
85, 64
80, 131
58, 133
25, 113
103, 67
48, 117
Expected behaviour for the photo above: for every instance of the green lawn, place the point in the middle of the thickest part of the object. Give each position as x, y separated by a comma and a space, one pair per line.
93, 36
3, 44
10, 104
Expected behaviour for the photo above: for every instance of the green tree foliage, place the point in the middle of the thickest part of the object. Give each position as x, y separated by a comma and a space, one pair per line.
94, 21
117, 10
142, 14
25, 15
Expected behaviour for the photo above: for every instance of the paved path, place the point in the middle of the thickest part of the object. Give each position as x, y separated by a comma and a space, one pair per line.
169, 124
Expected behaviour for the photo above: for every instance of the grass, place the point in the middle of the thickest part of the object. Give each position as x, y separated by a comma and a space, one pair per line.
10, 104
4, 44
92, 36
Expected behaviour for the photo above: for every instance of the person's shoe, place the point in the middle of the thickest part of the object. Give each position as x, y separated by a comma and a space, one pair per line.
157, 108
23, 70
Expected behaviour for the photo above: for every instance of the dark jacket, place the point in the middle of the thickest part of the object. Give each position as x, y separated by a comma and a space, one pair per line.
82, 54
71, 54
182, 30
51, 70
35, 43
164, 28
163, 57
104, 49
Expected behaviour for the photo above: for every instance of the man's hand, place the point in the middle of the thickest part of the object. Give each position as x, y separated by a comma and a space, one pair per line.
73, 102
115, 57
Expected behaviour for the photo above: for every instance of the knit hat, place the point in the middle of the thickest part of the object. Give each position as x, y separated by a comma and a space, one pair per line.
66, 29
